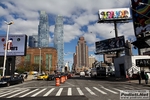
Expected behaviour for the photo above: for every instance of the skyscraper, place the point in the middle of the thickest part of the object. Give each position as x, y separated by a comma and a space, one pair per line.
43, 30
81, 55
33, 41
59, 42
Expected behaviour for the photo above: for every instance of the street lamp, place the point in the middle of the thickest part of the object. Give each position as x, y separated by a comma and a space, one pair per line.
4, 64
40, 62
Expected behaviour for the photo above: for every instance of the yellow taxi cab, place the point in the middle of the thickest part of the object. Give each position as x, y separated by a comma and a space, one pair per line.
42, 77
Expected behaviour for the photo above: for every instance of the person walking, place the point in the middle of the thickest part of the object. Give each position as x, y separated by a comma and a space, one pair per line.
146, 78
139, 78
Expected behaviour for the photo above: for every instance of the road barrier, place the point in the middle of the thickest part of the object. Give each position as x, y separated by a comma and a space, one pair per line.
57, 82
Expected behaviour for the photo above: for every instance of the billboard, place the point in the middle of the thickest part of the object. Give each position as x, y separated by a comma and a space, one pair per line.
16, 45
143, 62
114, 14
141, 16
109, 45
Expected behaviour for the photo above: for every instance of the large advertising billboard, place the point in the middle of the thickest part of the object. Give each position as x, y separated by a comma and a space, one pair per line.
114, 14
109, 45
141, 16
16, 45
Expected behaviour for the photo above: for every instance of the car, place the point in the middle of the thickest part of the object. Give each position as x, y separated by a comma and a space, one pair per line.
51, 77
10, 80
42, 77
82, 74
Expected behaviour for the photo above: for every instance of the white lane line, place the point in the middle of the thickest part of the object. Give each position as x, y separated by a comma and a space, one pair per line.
79, 91
99, 90
38, 92
29, 93
109, 90
59, 92
51, 90
91, 92
17, 94
6, 92
69, 83
9, 93
69, 91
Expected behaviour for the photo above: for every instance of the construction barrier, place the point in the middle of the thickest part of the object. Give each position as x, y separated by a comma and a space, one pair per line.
61, 79
57, 82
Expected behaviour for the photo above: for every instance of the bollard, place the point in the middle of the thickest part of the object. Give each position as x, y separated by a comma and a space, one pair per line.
57, 82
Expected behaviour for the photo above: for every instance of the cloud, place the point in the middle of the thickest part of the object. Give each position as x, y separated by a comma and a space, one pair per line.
80, 18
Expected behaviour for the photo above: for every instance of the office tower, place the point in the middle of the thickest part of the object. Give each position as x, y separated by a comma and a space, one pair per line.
59, 42
91, 61
33, 41
82, 55
43, 30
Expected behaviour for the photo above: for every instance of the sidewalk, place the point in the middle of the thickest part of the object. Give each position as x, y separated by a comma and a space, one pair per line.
134, 81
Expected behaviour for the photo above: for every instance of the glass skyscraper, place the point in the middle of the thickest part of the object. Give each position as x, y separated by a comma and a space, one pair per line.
59, 42
43, 30
33, 41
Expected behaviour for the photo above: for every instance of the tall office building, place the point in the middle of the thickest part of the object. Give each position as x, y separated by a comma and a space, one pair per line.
82, 55
33, 41
43, 30
59, 42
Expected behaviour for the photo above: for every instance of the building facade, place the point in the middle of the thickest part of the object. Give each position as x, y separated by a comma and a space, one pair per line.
33, 41
47, 55
91, 61
59, 42
82, 55
43, 30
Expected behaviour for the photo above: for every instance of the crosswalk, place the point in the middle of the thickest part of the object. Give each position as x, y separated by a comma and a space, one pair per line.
62, 91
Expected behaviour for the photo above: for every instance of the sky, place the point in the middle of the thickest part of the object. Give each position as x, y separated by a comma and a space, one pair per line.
80, 19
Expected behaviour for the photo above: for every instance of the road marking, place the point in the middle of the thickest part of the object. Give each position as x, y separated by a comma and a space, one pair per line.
109, 90
9, 93
117, 89
80, 92
6, 92
29, 93
38, 92
51, 90
91, 92
59, 92
99, 90
69, 91
17, 94
69, 83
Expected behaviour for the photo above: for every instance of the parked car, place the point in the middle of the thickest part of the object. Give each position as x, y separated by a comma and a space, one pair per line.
10, 80
51, 77
42, 77
82, 74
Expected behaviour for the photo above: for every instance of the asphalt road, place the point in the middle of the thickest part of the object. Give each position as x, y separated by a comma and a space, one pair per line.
75, 88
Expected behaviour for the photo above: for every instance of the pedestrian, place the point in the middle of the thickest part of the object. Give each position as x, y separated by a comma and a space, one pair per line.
146, 78
139, 78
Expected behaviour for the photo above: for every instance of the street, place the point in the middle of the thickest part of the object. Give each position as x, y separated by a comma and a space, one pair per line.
75, 88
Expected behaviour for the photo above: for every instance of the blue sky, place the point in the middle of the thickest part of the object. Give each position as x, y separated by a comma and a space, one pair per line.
80, 19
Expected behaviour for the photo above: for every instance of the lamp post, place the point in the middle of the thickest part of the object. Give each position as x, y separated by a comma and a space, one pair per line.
40, 62
4, 64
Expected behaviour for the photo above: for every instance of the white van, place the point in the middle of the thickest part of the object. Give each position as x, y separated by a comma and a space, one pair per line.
82, 74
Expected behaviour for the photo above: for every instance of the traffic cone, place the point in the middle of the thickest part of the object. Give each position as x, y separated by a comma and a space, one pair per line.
57, 83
